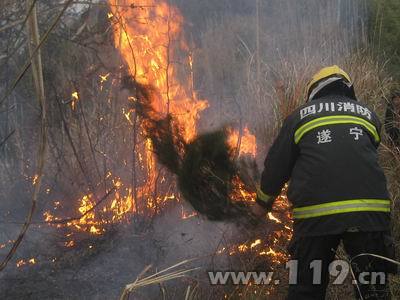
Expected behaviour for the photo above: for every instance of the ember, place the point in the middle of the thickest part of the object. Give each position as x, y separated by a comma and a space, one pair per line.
168, 109
22, 262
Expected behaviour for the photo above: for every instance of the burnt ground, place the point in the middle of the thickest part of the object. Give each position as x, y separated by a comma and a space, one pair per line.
82, 272
99, 268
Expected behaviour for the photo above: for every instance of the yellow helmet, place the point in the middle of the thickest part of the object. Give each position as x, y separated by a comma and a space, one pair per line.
333, 72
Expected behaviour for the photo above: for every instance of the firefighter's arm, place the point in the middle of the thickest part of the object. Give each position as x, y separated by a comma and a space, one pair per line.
278, 166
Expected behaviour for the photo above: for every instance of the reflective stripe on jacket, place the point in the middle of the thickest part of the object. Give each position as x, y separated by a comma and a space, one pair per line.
327, 151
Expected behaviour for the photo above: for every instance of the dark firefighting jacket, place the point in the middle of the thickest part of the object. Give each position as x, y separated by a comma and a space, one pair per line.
327, 151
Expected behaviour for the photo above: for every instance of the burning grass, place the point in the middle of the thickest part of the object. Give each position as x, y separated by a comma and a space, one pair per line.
164, 160
204, 167
373, 86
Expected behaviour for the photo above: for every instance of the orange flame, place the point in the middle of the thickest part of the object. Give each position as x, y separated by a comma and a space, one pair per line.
149, 48
151, 42
247, 142
74, 100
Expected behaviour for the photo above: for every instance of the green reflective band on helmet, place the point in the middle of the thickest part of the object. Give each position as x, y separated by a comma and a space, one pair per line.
332, 120
341, 207
263, 196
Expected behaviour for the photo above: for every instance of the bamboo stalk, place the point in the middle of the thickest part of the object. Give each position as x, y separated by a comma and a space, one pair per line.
37, 72
37, 48
35, 44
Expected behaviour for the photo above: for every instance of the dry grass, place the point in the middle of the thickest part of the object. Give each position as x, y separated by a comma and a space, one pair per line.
373, 87
227, 72
158, 278
282, 89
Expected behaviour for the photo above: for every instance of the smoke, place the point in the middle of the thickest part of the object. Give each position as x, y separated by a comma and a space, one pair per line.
295, 38
99, 269
247, 68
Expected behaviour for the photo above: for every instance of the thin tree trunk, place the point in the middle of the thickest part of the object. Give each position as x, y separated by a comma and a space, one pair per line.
258, 62
33, 44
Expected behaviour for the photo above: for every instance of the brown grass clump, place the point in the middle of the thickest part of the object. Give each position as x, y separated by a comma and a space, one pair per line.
373, 86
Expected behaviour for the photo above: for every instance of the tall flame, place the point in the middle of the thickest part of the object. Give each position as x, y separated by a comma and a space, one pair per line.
246, 142
150, 39
151, 42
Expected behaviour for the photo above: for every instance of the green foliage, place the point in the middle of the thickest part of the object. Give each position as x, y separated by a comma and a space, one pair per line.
385, 31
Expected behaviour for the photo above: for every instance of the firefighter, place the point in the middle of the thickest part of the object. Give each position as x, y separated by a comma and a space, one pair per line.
392, 120
327, 149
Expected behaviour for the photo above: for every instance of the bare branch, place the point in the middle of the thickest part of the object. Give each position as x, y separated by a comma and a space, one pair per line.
3, 142
29, 63
35, 59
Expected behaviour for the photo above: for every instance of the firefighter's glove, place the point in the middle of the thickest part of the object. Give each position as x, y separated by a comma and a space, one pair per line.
264, 200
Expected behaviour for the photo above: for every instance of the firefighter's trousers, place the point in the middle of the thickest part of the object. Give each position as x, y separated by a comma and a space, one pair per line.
372, 284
